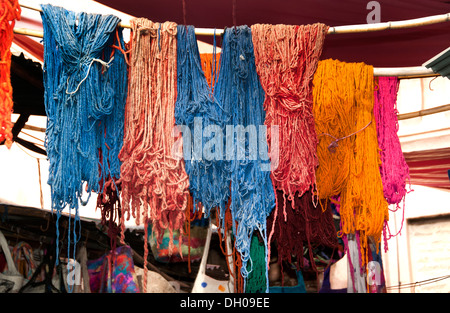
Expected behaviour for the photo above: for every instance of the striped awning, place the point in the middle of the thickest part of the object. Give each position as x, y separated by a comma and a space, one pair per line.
429, 167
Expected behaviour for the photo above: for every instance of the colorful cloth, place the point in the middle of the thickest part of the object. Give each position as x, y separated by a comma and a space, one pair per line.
113, 272
164, 254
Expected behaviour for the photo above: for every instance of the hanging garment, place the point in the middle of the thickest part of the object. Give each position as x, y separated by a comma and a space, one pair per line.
113, 272
356, 277
154, 182
286, 58
198, 114
9, 12
345, 124
85, 82
394, 169
375, 273
241, 95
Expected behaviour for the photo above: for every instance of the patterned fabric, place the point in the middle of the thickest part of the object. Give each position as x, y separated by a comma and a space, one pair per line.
118, 278
194, 249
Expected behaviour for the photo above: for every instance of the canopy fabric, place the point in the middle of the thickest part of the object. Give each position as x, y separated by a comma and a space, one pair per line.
429, 167
390, 48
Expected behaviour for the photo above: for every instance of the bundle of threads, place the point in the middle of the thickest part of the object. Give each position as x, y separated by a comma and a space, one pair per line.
9, 12
85, 89
210, 65
394, 169
345, 123
108, 200
306, 228
286, 59
197, 112
241, 95
154, 182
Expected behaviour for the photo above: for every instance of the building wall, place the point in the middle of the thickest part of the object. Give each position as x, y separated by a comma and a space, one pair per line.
421, 251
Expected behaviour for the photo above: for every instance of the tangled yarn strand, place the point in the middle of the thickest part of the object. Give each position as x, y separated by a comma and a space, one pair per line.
9, 12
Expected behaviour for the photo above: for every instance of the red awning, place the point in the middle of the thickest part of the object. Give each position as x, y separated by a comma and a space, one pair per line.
390, 48
429, 167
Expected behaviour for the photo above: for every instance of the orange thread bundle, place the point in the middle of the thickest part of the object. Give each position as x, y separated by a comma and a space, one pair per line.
210, 67
9, 12
335, 118
343, 107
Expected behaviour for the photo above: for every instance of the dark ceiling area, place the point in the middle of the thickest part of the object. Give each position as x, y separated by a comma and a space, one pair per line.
390, 48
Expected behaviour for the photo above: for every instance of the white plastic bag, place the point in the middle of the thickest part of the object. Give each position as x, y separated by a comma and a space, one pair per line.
10, 280
206, 284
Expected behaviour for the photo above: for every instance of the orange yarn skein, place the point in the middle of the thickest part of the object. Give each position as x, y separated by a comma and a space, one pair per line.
208, 64
9, 12
348, 150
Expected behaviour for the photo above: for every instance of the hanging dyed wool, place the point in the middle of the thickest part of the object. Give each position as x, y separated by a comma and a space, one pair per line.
85, 89
154, 182
286, 58
210, 65
394, 169
335, 119
363, 208
201, 119
256, 281
111, 138
306, 227
240, 93
9, 13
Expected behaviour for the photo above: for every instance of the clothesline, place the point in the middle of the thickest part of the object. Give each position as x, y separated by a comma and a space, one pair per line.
414, 71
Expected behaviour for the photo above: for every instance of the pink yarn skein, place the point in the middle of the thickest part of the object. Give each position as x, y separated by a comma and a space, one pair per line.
394, 169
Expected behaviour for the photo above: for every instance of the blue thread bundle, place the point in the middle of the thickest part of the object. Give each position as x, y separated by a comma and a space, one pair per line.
240, 93
196, 111
85, 91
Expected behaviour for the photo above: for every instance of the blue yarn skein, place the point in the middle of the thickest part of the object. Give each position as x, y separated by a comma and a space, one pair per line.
85, 92
196, 110
239, 91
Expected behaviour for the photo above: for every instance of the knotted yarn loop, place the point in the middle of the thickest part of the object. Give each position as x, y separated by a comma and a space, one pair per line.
105, 65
